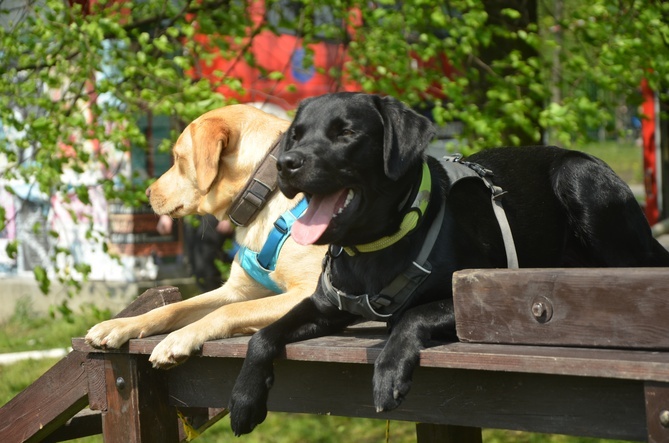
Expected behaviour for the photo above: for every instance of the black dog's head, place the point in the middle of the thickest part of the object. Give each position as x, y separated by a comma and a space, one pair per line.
355, 156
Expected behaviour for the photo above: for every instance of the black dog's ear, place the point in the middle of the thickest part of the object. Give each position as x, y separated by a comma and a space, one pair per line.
406, 135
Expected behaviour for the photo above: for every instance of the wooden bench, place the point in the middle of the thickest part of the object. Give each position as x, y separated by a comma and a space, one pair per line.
458, 389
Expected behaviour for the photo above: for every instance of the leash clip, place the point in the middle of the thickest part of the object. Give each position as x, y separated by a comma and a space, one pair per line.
480, 170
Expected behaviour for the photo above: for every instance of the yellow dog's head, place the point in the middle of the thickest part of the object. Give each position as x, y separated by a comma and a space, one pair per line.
213, 159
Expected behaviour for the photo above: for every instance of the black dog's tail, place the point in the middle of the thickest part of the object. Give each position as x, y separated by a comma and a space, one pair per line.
598, 201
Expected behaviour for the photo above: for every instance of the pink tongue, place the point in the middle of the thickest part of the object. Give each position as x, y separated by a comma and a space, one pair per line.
309, 228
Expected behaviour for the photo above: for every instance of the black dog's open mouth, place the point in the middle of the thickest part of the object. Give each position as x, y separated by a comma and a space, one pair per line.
323, 209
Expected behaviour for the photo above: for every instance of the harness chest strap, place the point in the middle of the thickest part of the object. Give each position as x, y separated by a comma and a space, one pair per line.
260, 264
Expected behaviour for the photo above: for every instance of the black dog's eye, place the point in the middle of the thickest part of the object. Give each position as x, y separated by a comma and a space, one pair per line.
296, 134
338, 128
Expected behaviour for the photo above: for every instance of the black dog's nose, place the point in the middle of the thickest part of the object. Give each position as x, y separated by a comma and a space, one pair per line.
289, 162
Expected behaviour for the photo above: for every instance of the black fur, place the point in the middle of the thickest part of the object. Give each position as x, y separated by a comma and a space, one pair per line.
565, 209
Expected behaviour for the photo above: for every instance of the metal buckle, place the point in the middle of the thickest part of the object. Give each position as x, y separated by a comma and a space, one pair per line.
281, 227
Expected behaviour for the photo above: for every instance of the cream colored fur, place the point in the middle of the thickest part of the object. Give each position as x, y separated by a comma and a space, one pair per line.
213, 159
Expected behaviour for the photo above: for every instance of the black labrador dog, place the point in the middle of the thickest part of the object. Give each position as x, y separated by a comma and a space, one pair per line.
374, 197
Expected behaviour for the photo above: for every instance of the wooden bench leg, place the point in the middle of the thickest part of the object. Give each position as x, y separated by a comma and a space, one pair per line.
657, 411
137, 402
431, 433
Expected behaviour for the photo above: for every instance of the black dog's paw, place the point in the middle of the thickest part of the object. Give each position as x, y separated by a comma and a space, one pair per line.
392, 382
248, 402
245, 414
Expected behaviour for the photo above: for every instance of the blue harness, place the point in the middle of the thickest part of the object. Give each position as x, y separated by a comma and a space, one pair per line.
258, 265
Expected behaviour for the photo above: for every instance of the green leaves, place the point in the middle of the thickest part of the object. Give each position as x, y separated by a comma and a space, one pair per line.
514, 79
42, 279
511, 13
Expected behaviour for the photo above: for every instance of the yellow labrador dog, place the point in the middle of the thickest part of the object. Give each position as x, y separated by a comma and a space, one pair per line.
214, 158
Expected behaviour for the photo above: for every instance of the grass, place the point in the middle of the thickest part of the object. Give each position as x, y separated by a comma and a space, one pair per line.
18, 376
26, 331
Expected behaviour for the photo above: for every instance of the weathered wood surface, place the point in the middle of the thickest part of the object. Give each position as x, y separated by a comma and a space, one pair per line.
137, 402
620, 308
657, 411
151, 299
584, 406
62, 391
360, 346
48, 403
430, 433
578, 391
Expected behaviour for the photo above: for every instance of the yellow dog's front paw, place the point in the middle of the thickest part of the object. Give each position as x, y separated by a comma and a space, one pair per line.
111, 334
174, 350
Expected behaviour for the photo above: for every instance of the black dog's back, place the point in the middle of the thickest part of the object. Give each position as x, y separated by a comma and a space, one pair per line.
566, 208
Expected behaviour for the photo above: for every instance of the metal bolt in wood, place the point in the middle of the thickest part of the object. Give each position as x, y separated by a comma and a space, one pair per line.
664, 418
542, 309
539, 310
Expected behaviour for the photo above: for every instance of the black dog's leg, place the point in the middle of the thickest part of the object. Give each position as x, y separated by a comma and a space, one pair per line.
311, 318
394, 368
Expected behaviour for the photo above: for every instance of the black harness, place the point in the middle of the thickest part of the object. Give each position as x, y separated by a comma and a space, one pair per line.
394, 296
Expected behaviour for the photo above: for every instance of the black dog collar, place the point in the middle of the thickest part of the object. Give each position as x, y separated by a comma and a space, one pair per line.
260, 187
411, 220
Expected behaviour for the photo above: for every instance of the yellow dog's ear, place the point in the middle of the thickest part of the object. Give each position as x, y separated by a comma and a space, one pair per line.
210, 138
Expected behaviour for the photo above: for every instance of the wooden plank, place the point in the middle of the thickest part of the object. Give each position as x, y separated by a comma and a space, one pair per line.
97, 390
657, 412
612, 307
605, 363
150, 299
594, 407
356, 345
47, 403
431, 433
137, 407
361, 347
